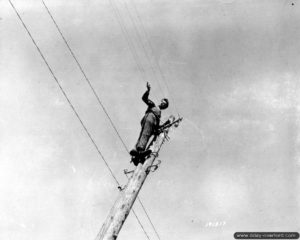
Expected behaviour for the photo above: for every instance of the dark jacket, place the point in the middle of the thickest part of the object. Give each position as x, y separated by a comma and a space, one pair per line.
152, 108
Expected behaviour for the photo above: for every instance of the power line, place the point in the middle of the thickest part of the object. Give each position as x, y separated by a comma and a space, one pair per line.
149, 219
99, 101
71, 105
160, 70
154, 55
85, 76
143, 46
148, 216
140, 223
129, 42
64, 93
126, 34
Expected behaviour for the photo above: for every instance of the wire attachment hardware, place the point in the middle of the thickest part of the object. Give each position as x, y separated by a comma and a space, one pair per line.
126, 172
154, 167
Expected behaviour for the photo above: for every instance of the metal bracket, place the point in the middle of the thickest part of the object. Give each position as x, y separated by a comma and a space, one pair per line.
126, 172
155, 154
173, 122
154, 167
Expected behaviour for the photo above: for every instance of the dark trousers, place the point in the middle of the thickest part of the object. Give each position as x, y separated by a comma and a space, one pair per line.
148, 123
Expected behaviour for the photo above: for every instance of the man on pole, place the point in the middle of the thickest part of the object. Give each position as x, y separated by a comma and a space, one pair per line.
150, 126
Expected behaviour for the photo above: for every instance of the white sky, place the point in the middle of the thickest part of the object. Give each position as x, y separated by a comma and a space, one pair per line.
233, 73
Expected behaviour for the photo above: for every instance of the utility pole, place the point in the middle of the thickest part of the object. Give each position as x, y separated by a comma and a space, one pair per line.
119, 212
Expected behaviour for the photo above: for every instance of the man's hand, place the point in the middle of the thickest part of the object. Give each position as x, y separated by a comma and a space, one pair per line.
148, 86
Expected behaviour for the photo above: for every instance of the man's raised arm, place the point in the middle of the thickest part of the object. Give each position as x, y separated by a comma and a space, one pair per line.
145, 97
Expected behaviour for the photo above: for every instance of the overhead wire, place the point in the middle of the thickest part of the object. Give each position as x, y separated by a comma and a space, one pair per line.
140, 223
160, 70
142, 44
64, 93
126, 35
129, 42
153, 71
99, 101
157, 64
154, 54
131, 46
71, 105
149, 219
154, 228
85, 76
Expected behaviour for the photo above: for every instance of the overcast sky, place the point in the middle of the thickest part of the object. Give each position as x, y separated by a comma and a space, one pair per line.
232, 71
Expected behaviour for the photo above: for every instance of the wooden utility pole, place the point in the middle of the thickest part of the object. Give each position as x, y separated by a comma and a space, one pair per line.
119, 212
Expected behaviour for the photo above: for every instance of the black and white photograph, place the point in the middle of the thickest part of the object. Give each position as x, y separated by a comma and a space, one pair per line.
149, 119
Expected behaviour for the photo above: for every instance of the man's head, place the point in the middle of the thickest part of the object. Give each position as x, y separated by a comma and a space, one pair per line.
164, 104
